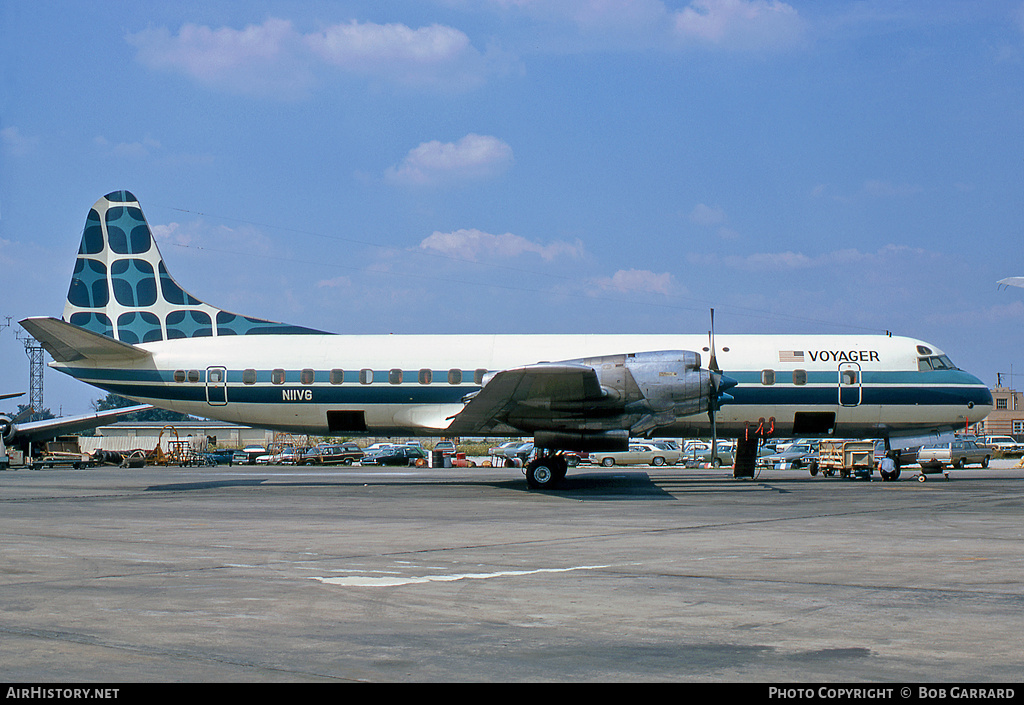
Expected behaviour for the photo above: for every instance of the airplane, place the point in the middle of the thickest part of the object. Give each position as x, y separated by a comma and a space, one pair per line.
129, 328
13, 432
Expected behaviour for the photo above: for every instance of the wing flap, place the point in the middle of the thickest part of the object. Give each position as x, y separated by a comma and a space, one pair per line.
69, 343
523, 392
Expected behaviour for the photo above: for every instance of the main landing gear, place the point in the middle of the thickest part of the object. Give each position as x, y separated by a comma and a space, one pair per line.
546, 470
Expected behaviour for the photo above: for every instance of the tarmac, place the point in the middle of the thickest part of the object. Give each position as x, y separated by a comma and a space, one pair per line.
285, 574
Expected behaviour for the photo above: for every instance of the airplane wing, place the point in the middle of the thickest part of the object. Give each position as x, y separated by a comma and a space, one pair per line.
1012, 281
11, 396
51, 428
68, 343
529, 397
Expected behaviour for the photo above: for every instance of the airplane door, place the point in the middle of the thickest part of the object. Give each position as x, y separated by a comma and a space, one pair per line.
849, 384
216, 386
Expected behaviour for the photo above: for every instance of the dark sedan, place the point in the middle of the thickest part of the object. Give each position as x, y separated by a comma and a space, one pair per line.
397, 455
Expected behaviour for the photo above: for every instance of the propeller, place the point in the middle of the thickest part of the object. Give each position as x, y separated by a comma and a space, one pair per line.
718, 384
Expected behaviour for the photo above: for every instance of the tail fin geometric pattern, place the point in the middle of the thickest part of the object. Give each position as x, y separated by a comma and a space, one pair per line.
121, 288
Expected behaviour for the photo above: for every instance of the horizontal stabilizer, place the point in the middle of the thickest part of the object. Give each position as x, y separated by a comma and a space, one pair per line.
69, 343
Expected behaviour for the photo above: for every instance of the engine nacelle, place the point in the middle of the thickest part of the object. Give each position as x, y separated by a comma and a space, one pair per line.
660, 382
607, 441
6, 428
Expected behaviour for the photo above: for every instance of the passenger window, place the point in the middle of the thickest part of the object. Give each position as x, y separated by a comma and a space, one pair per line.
277, 376
478, 376
799, 377
454, 376
193, 375
179, 375
216, 376
395, 376
767, 376
249, 376
337, 376
306, 376
426, 376
365, 376
849, 377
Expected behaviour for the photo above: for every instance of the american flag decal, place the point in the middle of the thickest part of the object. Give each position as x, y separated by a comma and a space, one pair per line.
791, 355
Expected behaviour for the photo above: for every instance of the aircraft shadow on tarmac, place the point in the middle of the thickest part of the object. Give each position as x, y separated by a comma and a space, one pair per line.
626, 485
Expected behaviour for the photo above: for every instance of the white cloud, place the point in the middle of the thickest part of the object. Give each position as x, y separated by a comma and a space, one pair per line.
713, 217
135, 150
472, 157
476, 245
196, 235
836, 260
637, 24
274, 59
739, 24
16, 143
638, 280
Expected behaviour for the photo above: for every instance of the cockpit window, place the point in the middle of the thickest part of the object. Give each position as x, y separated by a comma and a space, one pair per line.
935, 362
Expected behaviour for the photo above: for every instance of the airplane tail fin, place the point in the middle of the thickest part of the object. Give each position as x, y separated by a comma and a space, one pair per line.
121, 289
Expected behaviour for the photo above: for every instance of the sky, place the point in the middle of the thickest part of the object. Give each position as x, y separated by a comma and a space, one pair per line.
530, 166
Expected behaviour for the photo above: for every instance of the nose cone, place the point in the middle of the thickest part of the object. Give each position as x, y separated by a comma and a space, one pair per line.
979, 401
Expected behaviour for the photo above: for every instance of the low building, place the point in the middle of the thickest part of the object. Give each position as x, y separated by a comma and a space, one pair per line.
1007, 417
145, 435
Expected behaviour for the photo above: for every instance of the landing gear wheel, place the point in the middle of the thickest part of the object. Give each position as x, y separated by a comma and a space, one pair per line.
921, 478
545, 473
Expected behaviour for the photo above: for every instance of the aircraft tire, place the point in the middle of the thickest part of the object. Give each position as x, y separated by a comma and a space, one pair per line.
543, 474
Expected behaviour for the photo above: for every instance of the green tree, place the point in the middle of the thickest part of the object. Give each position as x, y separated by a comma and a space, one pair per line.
113, 401
31, 415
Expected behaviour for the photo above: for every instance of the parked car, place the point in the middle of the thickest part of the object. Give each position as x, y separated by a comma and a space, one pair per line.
498, 451
219, 457
446, 447
248, 455
397, 455
376, 447
334, 454
1003, 444
957, 454
701, 452
520, 452
637, 454
796, 455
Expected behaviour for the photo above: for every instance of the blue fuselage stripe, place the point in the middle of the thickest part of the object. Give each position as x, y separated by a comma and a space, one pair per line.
879, 388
